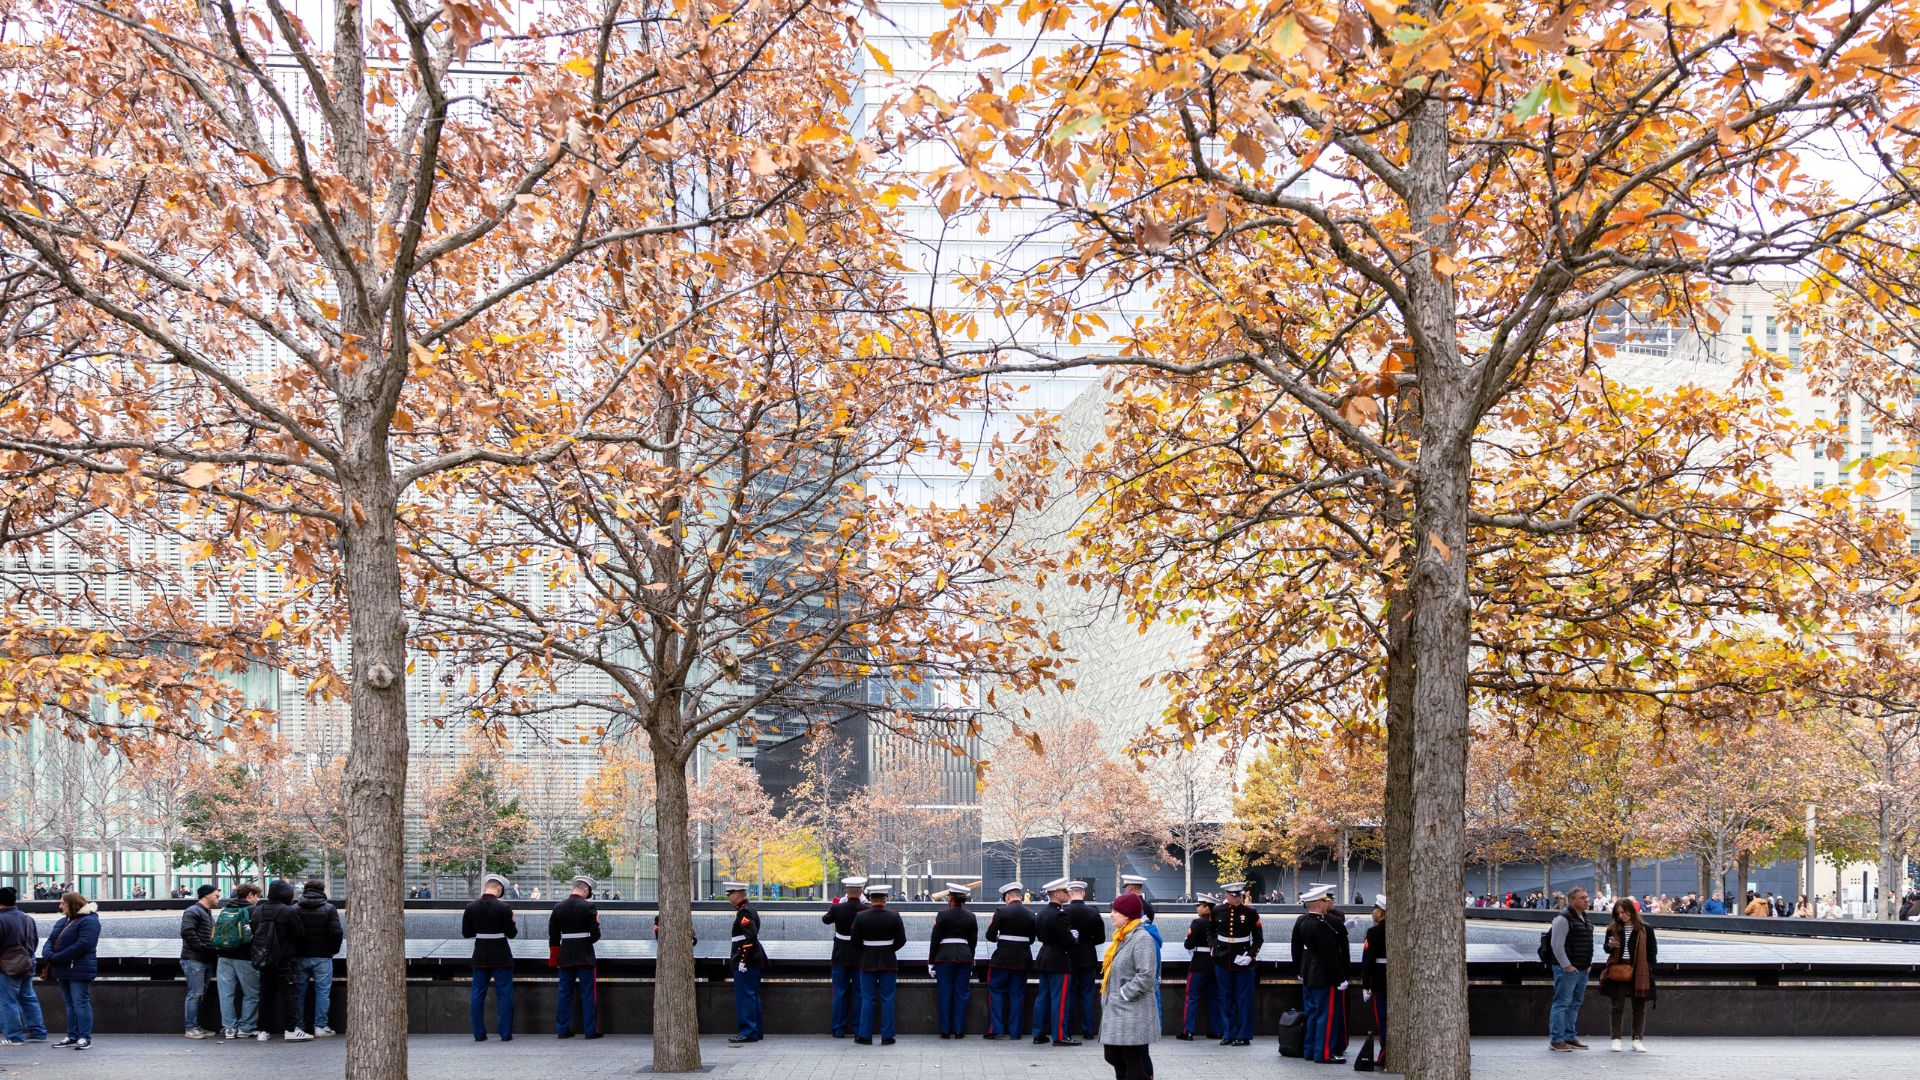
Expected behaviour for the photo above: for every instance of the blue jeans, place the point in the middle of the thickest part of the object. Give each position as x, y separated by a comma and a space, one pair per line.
78, 994
239, 977
502, 980
198, 972
1569, 990
20, 1009
577, 982
876, 996
746, 1001
320, 970
1007, 1001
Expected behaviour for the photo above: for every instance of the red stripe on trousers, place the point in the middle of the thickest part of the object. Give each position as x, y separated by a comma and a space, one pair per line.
1379, 1027
1187, 1005
1066, 994
1326, 1042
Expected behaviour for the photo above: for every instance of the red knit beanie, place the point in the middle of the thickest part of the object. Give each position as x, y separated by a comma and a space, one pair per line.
1129, 904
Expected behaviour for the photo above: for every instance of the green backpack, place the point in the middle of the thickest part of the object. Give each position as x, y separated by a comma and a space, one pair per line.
234, 930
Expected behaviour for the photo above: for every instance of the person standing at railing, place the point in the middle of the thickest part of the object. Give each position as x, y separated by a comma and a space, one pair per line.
1011, 930
572, 928
845, 962
71, 957
20, 1019
950, 951
1203, 1009
881, 934
489, 922
746, 961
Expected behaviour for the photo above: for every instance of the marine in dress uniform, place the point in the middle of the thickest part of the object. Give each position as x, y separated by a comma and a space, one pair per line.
1373, 971
489, 922
881, 935
1237, 938
1137, 885
1204, 1011
1321, 956
1055, 965
748, 961
956, 935
846, 952
1089, 933
1012, 930
572, 929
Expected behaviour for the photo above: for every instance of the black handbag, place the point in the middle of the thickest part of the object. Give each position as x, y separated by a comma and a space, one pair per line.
1364, 1062
1293, 1034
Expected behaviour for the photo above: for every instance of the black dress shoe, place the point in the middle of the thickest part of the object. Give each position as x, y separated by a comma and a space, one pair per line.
737, 1040
1185, 1036
1066, 1042
1336, 1061
596, 1035
564, 1035
991, 1037
1041, 1040
1243, 1042
1226, 1042
887, 1042
944, 1036
506, 1038
959, 1034
839, 1034
862, 1042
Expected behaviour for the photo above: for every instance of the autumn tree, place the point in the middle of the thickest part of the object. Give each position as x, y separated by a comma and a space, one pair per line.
824, 798
583, 854
736, 813
619, 805
1017, 795
475, 824
160, 783
234, 814
1496, 832
1122, 816
1334, 195
907, 817
275, 276
1192, 788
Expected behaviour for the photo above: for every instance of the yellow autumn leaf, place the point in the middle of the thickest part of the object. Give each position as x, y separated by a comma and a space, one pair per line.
200, 474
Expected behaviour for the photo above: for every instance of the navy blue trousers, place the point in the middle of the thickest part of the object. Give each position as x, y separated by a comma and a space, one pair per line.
876, 997
846, 994
1205, 1014
1326, 1010
1006, 1002
578, 982
952, 981
746, 1001
1236, 993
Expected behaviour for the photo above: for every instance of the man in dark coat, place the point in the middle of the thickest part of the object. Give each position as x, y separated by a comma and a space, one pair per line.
1237, 940
572, 929
278, 939
846, 952
489, 922
1320, 955
1204, 1009
881, 934
748, 962
1055, 965
956, 935
1012, 930
322, 936
1373, 971
1089, 933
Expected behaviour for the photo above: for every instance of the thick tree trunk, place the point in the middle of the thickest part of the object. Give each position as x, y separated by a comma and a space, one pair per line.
376, 769
1066, 855
1744, 866
676, 1022
1886, 906
1345, 880
1404, 906
1706, 879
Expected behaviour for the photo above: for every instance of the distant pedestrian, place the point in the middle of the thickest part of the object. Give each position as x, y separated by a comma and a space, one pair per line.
489, 922
198, 958
235, 978
1757, 906
320, 941
71, 958
1714, 906
20, 1019
1129, 973
1571, 943
1632, 951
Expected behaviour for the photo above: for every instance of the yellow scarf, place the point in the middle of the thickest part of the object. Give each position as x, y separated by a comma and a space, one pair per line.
1113, 948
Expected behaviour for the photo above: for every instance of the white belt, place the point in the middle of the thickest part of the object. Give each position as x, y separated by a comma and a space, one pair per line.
1010, 937
576, 937
887, 944
739, 937
1201, 948
490, 937
1236, 940
843, 937
955, 941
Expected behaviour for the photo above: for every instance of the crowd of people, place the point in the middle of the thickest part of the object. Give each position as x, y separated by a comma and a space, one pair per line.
1754, 905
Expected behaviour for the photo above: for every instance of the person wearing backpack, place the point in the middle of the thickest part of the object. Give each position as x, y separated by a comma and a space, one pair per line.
278, 936
20, 1020
1570, 943
198, 957
70, 958
235, 978
321, 938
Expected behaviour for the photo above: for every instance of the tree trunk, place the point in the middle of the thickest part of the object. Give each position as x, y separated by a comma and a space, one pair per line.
1546, 881
1887, 906
676, 1021
1706, 878
376, 760
1017, 872
1186, 866
1744, 865
1345, 880
1404, 906
1626, 877
1066, 853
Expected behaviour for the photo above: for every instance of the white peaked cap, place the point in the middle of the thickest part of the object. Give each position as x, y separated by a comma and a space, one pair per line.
491, 878
1132, 879
1316, 892
1058, 884
1380, 901
880, 889
853, 882
1012, 886
735, 886
956, 889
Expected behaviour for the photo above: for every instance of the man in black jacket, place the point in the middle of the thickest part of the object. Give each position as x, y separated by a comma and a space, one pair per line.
1055, 965
278, 937
1373, 971
198, 957
1203, 1008
846, 952
956, 934
321, 938
489, 922
881, 935
1089, 933
20, 1018
572, 929
748, 960
1012, 930
1320, 956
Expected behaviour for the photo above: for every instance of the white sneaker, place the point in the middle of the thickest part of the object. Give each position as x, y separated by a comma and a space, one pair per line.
199, 1033
1616, 1046
229, 1033
323, 1033
296, 1035
83, 1044
1639, 1047
262, 1036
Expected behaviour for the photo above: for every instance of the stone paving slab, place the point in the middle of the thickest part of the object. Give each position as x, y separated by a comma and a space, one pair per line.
448, 1057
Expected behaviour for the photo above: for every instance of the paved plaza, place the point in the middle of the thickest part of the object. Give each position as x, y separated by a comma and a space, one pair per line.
454, 1057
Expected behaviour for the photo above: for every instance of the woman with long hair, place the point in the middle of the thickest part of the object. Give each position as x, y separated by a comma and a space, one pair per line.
1632, 951
70, 958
